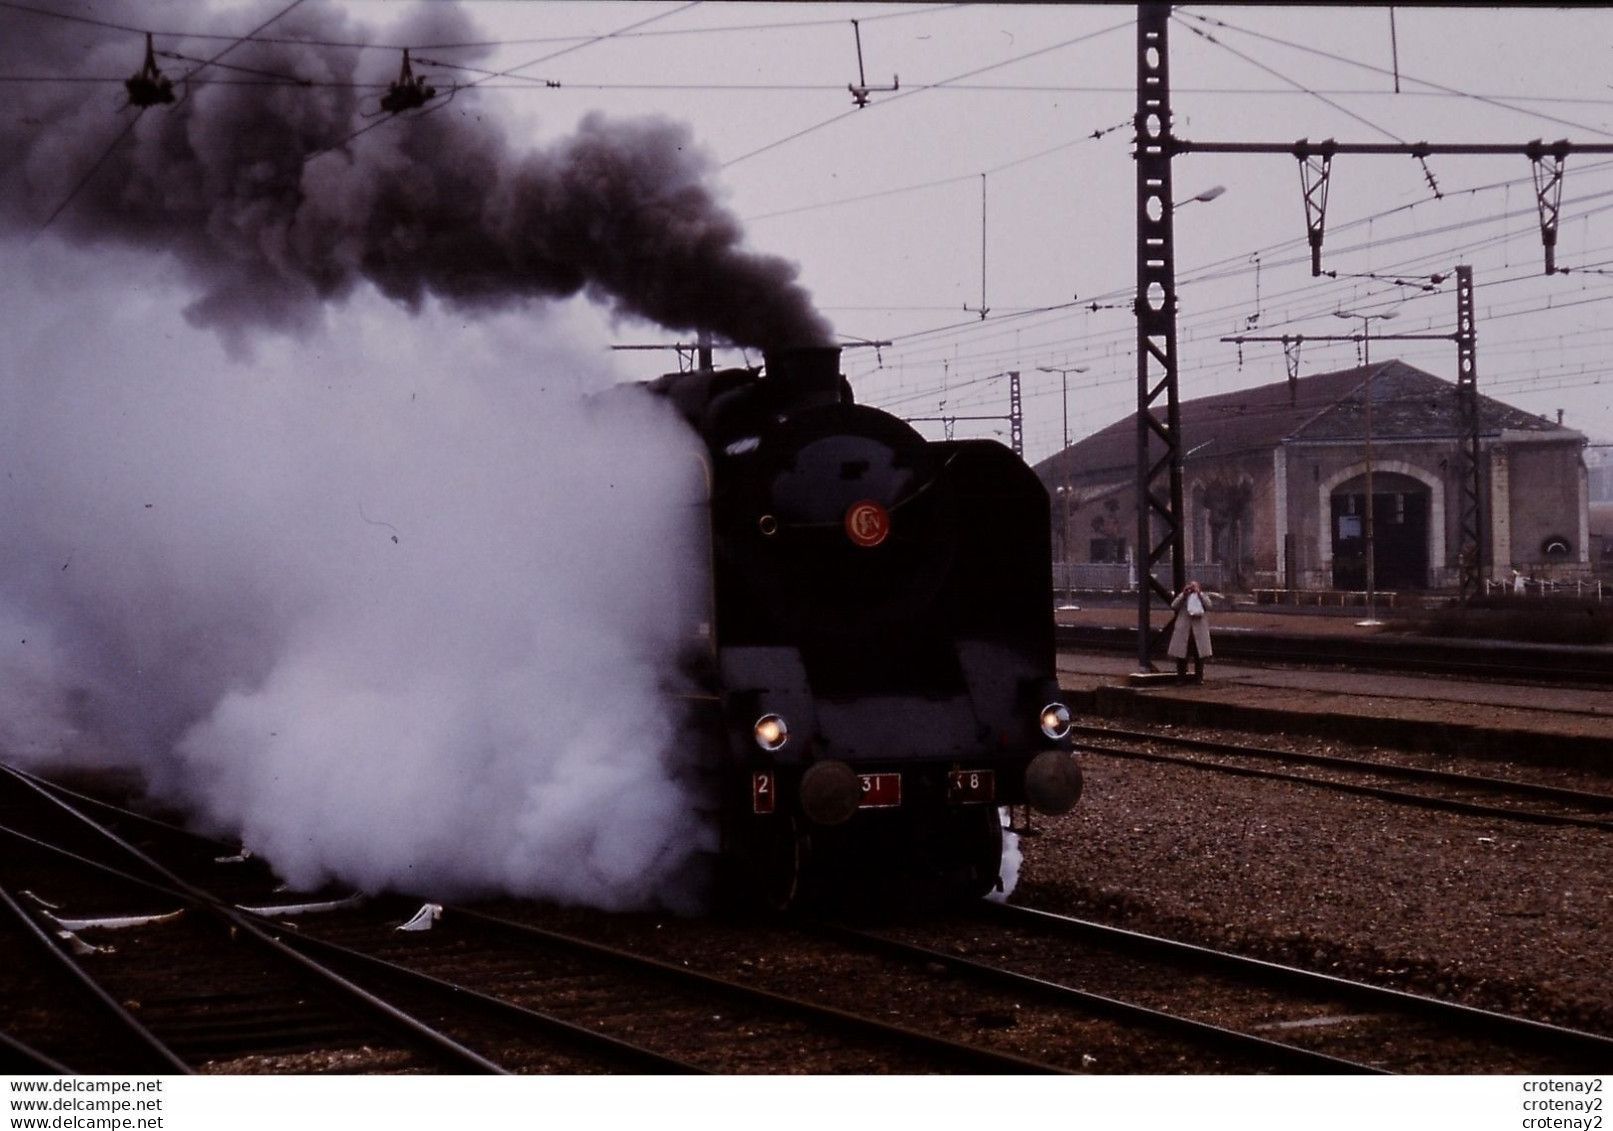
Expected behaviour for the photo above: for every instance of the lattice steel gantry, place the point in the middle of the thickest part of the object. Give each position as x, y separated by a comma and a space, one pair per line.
1159, 454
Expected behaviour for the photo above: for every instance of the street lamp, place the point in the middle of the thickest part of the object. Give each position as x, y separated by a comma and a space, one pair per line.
1065, 375
1204, 197
1064, 457
1366, 356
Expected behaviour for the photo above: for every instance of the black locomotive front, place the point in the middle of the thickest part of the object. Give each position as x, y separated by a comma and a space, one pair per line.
882, 635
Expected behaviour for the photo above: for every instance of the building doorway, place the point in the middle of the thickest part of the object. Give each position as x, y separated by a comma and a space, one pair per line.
1400, 508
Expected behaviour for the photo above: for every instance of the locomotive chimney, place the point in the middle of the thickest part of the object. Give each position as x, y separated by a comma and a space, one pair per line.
804, 376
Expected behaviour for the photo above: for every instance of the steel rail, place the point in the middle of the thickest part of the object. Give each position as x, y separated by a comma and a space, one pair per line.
100, 866
1567, 796
643, 1059
412, 1029
647, 1059
1246, 1044
17, 1058
1455, 1013
1382, 793
157, 824
163, 1058
982, 1059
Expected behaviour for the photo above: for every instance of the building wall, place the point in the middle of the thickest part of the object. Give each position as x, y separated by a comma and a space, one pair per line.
1251, 550
1498, 511
1548, 499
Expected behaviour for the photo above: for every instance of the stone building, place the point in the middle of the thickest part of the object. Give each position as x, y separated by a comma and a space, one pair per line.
1275, 482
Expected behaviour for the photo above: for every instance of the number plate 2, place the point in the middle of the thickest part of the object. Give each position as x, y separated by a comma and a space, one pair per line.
763, 792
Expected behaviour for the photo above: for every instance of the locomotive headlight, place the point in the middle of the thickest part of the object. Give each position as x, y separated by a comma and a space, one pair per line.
1056, 720
772, 732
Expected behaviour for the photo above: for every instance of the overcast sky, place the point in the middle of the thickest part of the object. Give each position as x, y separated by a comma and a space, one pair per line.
881, 208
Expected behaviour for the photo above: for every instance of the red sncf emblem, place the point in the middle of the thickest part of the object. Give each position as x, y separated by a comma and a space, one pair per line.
867, 523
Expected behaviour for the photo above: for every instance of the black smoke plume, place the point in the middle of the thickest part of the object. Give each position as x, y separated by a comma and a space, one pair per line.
274, 208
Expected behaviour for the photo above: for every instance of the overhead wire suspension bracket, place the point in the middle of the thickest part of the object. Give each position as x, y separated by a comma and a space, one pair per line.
1548, 193
149, 86
408, 92
982, 309
1315, 173
1291, 348
860, 90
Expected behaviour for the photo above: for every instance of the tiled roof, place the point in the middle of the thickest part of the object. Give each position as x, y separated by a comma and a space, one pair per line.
1406, 403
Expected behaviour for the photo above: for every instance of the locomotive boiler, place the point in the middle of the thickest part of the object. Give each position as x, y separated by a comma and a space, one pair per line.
879, 664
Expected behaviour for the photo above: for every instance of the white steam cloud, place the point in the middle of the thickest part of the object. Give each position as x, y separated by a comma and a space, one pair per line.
398, 605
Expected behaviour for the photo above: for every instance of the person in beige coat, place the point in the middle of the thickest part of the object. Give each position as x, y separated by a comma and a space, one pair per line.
1190, 632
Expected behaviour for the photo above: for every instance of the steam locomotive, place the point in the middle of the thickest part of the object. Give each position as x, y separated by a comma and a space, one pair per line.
879, 664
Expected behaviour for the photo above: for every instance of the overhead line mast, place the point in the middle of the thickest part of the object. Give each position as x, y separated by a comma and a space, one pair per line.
1470, 514
1159, 480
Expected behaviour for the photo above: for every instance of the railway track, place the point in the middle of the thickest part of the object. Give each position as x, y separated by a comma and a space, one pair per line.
282, 1002
716, 1022
1230, 1007
1389, 1028
1095, 999
236, 1019
468, 991
335, 983
179, 980
185, 979
1473, 794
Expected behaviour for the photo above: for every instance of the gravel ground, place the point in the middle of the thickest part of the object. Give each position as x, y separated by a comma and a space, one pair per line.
1502, 914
